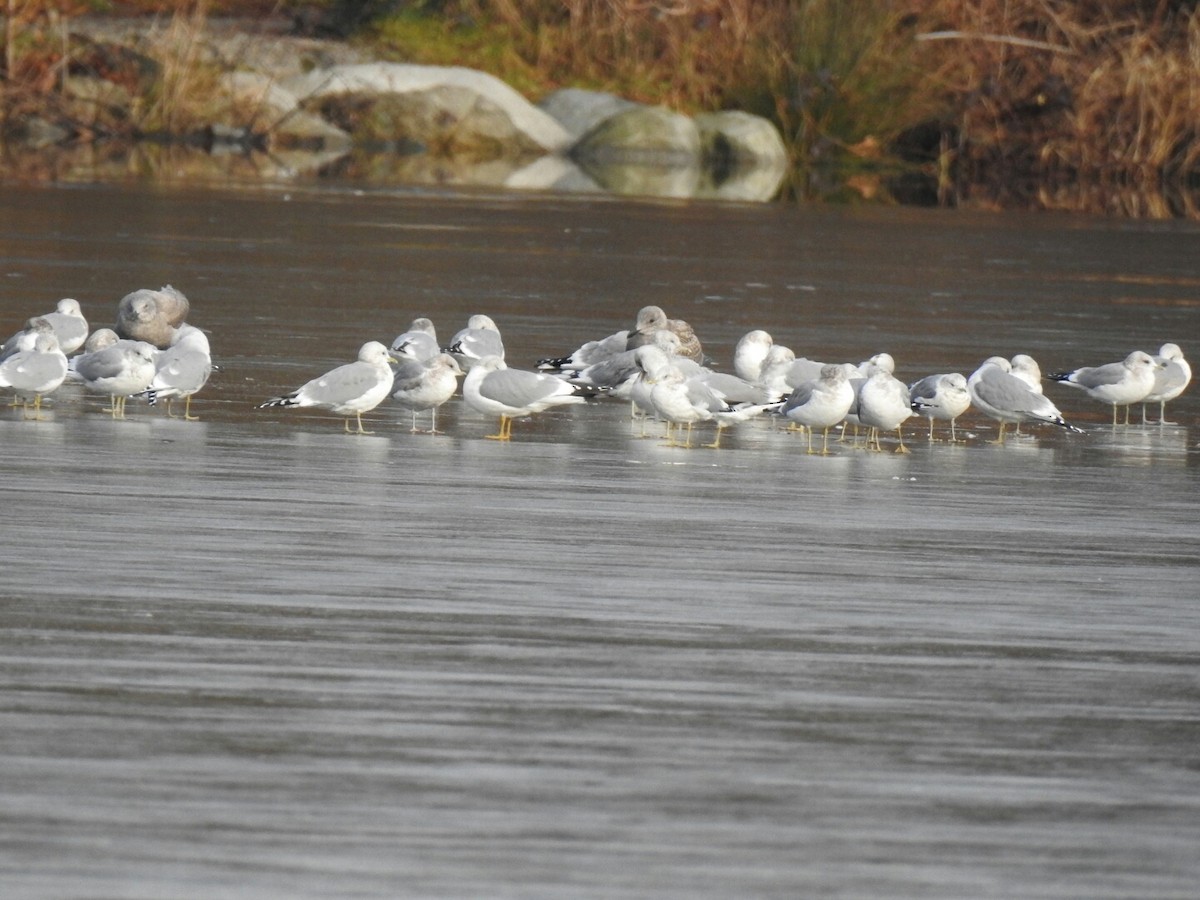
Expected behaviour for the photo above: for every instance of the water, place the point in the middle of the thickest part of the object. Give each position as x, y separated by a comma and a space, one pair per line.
255, 657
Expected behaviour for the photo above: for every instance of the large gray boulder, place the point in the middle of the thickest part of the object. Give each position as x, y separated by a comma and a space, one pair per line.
444, 110
644, 135
258, 102
579, 111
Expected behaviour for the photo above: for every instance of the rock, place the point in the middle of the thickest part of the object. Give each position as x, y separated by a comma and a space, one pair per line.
98, 105
643, 135
260, 103
447, 110
579, 111
37, 133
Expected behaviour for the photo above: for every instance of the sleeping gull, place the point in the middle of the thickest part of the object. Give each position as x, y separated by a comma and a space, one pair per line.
1119, 384
1000, 395
119, 370
479, 340
66, 322
681, 401
1169, 381
884, 404
348, 390
492, 388
152, 316
750, 353
821, 403
943, 397
26, 338
34, 372
181, 370
424, 384
588, 354
419, 342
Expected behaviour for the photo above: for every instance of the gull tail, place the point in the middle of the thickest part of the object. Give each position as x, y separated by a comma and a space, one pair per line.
285, 401
553, 364
1063, 423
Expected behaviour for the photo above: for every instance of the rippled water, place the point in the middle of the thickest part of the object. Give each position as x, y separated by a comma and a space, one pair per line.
253, 656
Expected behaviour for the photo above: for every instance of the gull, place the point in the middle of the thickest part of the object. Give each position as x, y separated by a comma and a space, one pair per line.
479, 340
943, 397
181, 370
152, 316
774, 373
617, 371
884, 404
1025, 367
119, 370
651, 319
750, 354
1169, 381
97, 340
1000, 395
419, 342
682, 401
348, 390
26, 338
821, 403
70, 327
588, 354
492, 388
423, 384
35, 372
66, 322
738, 400
1119, 384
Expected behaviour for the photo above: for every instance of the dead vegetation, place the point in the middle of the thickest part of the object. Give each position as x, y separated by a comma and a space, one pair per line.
1091, 105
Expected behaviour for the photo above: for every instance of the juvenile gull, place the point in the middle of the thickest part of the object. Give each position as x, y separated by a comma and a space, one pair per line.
944, 397
118, 369
181, 370
651, 319
1000, 395
821, 403
152, 316
424, 384
35, 372
479, 340
419, 342
1118, 384
348, 390
1170, 380
492, 388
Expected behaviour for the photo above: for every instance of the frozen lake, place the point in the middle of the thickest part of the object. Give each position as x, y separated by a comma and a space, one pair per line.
252, 656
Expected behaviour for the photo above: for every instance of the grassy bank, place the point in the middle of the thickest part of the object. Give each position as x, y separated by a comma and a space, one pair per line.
1092, 105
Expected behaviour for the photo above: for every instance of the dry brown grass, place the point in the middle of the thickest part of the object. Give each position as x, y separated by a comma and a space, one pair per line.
1043, 95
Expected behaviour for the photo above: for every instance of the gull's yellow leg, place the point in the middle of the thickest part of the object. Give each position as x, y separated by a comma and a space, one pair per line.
502, 434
